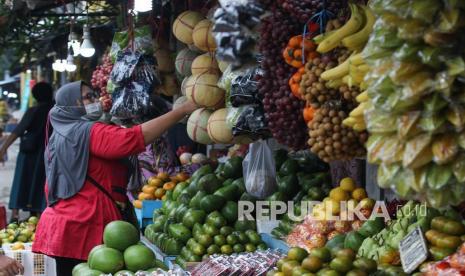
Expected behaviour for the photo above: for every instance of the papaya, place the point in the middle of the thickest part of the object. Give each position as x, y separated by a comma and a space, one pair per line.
353, 240
287, 184
191, 217
244, 225
179, 232
240, 185
206, 169
178, 189
158, 223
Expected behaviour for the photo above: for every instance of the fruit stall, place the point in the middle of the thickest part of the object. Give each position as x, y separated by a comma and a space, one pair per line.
298, 102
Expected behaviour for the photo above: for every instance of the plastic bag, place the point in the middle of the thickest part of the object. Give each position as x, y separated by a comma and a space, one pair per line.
142, 42
244, 88
259, 170
247, 120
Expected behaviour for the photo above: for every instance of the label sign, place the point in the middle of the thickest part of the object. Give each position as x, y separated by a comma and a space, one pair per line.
413, 250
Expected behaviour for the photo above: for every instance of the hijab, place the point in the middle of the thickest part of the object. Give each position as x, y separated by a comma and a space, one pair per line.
67, 153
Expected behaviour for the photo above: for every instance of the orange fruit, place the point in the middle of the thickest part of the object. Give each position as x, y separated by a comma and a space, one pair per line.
148, 189
173, 179
137, 204
338, 194
163, 176
155, 182
145, 196
347, 184
359, 194
182, 176
169, 186
159, 193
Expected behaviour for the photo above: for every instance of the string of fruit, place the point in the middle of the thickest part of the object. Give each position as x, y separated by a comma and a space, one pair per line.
304, 9
415, 107
283, 111
101, 74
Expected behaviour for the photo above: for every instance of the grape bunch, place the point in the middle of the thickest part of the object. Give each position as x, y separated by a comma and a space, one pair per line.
330, 139
101, 75
283, 111
303, 10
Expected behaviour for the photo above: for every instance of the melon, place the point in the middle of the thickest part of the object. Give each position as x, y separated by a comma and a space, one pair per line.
164, 60
184, 61
197, 126
107, 260
205, 63
203, 90
218, 129
184, 25
138, 257
183, 86
169, 85
120, 235
203, 37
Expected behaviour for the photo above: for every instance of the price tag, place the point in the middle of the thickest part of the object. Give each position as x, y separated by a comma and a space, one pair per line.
413, 250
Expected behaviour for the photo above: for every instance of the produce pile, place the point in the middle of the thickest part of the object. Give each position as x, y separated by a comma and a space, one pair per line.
452, 265
283, 111
323, 261
256, 263
319, 227
120, 254
157, 186
17, 234
415, 109
201, 218
329, 84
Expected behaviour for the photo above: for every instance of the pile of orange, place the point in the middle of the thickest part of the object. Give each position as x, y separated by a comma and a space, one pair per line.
157, 186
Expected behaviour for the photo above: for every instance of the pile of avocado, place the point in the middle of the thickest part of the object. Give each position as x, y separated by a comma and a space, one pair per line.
200, 218
299, 178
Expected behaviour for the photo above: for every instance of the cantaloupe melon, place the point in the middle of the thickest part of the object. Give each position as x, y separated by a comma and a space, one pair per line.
184, 60
203, 37
205, 63
203, 90
218, 129
184, 25
197, 126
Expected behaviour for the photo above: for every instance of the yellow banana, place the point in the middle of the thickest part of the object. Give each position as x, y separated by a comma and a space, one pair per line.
358, 111
359, 39
349, 121
363, 85
357, 59
357, 77
351, 27
319, 38
363, 67
336, 83
359, 127
362, 97
337, 72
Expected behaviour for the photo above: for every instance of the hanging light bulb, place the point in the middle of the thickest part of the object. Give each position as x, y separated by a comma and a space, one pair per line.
73, 42
54, 65
142, 5
87, 49
70, 66
61, 65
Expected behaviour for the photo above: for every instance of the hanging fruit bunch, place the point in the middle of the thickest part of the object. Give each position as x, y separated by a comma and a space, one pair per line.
415, 107
303, 10
283, 111
101, 74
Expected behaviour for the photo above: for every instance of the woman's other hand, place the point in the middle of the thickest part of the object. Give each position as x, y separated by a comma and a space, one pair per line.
10, 267
106, 101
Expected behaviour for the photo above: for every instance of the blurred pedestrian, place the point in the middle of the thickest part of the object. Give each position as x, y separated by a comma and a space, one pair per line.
27, 191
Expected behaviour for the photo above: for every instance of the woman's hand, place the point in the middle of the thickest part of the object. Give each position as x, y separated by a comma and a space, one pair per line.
106, 101
188, 107
10, 267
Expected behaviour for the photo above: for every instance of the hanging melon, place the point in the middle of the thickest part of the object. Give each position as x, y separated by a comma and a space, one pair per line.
184, 61
164, 60
197, 126
218, 129
203, 36
205, 63
203, 90
183, 86
184, 25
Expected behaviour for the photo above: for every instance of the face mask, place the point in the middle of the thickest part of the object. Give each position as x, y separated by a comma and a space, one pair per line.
93, 111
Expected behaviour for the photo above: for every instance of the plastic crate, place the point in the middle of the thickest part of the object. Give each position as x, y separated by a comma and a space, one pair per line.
274, 243
145, 214
34, 264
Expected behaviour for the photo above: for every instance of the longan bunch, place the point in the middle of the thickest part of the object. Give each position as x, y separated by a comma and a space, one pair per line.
330, 139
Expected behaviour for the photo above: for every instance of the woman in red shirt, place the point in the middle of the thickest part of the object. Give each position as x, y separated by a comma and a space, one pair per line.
78, 150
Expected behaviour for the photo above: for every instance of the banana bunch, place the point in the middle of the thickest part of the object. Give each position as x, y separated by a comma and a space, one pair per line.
356, 119
353, 34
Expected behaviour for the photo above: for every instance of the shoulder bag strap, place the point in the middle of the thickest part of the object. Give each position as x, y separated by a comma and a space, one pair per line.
101, 188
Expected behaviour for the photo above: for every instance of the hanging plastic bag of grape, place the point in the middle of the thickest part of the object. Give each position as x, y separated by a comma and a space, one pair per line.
142, 42
259, 170
244, 88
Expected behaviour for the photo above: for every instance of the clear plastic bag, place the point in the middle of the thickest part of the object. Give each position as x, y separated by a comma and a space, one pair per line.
259, 170
142, 42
